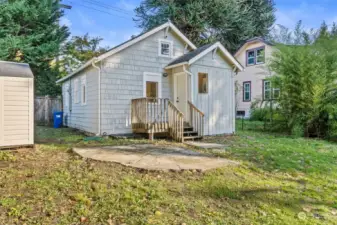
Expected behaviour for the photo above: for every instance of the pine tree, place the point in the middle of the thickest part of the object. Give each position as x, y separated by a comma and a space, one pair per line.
205, 21
30, 33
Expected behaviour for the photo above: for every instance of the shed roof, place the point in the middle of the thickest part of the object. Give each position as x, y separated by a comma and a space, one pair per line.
13, 69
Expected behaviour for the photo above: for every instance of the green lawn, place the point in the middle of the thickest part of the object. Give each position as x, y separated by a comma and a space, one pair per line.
281, 180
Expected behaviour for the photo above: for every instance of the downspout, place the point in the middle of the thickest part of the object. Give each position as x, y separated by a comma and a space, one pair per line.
234, 98
99, 94
191, 83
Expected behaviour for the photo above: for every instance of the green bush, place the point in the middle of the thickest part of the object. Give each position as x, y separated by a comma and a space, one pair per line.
258, 114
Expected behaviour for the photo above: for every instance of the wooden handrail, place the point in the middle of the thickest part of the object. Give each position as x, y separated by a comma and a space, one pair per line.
176, 123
155, 115
194, 107
196, 119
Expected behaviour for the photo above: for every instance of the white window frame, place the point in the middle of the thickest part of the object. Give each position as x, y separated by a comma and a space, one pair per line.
256, 56
152, 77
84, 93
76, 91
264, 90
165, 41
66, 95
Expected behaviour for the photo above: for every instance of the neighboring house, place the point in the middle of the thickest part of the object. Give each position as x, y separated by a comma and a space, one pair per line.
157, 82
251, 84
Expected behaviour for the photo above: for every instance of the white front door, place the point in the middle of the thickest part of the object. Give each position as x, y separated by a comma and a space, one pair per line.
181, 92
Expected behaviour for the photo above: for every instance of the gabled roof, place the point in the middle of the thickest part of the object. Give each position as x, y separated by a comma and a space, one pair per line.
14, 69
195, 55
128, 43
253, 40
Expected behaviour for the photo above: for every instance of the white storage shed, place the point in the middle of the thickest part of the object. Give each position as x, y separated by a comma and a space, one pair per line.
16, 105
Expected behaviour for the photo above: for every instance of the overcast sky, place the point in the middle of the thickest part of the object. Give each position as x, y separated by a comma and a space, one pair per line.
112, 19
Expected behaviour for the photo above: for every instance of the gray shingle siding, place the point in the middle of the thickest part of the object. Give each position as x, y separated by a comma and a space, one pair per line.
83, 117
122, 79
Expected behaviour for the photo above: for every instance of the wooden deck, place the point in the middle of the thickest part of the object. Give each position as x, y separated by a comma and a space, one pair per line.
151, 116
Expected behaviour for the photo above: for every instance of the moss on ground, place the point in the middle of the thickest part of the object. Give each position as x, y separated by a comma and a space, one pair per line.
281, 180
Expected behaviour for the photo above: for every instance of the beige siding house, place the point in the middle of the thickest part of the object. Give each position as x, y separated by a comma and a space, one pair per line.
16, 105
251, 84
157, 82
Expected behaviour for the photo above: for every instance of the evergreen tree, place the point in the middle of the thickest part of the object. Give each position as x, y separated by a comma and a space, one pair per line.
204, 21
79, 50
30, 33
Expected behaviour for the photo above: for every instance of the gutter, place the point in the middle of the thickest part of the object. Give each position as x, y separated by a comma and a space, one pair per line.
235, 72
99, 94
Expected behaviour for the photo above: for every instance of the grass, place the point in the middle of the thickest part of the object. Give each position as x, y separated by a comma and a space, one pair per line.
281, 180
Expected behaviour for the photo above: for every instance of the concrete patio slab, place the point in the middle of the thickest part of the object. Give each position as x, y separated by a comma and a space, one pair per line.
205, 145
154, 157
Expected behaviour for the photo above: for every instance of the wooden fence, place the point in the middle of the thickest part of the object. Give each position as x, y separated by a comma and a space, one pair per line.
45, 106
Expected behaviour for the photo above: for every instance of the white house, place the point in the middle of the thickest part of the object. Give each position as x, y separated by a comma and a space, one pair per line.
157, 82
252, 84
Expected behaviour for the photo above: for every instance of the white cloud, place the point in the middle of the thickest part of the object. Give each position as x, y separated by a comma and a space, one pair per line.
311, 15
64, 21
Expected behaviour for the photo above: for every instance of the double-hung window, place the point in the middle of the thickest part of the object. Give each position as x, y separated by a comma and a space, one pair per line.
84, 90
165, 48
247, 91
256, 56
269, 92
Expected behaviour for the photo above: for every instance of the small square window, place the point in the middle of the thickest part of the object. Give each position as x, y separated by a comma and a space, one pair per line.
165, 48
240, 113
203, 83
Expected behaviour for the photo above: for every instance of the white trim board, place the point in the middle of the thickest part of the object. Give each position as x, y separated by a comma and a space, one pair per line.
128, 44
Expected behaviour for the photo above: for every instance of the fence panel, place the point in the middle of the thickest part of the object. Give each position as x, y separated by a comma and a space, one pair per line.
45, 106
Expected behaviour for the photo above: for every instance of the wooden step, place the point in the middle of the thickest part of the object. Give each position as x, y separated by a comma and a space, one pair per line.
190, 133
192, 137
188, 128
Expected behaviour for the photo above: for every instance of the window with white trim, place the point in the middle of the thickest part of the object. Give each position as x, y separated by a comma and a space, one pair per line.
66, 95
269, 92
165, 48
266, 90
83, 90
76, 91
247, 91
152, 85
